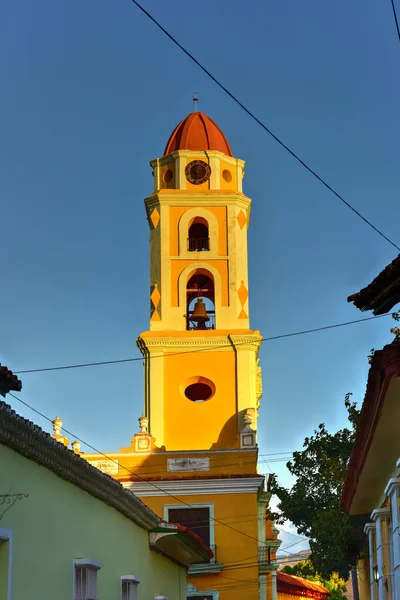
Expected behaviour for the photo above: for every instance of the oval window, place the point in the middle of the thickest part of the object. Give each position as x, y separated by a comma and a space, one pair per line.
198, 389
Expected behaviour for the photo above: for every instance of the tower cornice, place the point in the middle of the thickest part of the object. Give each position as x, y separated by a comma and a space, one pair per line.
184, 198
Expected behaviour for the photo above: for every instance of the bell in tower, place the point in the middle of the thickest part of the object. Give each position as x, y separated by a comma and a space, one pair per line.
199, 317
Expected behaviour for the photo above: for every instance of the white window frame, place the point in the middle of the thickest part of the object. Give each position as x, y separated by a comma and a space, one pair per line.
209, 505
91, 567
132, 583
6, 535
191, 590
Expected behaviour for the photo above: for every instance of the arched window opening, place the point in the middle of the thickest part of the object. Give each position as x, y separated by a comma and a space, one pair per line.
200, 301
198, 240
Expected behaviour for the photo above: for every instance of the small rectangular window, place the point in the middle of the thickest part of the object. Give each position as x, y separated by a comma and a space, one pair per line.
197, 519
85, 572
129, 587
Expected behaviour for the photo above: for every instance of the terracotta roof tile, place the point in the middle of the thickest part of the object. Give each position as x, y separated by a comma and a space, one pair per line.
297, 586
382, 293
8, 381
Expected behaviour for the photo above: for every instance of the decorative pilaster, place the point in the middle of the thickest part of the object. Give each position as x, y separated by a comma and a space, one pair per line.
262, 587
392, 491
370, 530
381, 517
274, 591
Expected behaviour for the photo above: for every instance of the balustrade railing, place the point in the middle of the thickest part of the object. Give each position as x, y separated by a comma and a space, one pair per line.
198, 244
195, 326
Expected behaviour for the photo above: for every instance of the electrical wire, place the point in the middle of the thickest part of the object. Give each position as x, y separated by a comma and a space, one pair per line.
257, 120
140, 358
395, 18
164, 492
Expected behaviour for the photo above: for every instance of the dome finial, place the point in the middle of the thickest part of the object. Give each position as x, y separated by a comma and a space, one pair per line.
195, 100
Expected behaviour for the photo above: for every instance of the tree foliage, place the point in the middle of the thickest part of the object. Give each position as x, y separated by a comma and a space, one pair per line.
313, 503
335, 584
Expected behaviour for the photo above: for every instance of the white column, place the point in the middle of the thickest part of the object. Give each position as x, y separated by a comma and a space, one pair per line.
370, 530
381, 516
274, 590
392, 491
262, 587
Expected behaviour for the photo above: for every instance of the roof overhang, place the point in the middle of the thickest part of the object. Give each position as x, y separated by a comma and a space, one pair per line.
8, 382
382, 293
180, 544
377, 445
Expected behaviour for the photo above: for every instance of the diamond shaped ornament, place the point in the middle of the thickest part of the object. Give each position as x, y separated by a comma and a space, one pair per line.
155, 296
243, 294
241, 219
155, 218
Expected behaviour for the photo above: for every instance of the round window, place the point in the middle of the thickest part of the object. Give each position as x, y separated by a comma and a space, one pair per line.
168, 176
198, 389
227, 175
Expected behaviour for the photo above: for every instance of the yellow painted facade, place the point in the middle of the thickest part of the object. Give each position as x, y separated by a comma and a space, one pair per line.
197, 448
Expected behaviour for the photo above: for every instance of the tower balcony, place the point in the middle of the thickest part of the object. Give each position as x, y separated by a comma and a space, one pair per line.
198, 244
200, 325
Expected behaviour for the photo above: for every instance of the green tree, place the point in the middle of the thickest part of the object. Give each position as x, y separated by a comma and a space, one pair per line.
335, 584
313, 504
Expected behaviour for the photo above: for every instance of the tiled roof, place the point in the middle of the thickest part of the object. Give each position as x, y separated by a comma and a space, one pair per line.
297, 586
8, 381
382, 293
31, 441
385, 364
197, 132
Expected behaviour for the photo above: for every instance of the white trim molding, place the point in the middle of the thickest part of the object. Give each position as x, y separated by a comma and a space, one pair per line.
201, 486
191, 590
6, 535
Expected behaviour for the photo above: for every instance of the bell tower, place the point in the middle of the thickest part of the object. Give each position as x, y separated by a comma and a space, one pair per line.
194, 460
202, 379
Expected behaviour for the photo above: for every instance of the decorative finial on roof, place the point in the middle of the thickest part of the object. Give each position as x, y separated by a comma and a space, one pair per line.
57, 424
144, 424
57, 435
195, 100
76, 447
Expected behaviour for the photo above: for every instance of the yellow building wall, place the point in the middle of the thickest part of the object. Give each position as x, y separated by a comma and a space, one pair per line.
364, 589
236, 581
199, 425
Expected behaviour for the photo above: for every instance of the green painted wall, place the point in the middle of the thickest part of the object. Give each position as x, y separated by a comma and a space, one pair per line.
59, 522
3, 569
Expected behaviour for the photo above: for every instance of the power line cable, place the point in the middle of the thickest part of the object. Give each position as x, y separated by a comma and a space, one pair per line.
164, 492
257, 120
395, 18
140, 358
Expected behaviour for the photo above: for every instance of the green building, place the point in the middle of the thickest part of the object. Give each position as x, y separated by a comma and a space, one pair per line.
70, 532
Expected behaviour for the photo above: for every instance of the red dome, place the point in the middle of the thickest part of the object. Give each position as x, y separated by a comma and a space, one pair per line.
197, 132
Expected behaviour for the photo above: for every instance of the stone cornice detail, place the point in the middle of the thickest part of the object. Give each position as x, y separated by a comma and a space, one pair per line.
369, 527
29, 440
163, 160
185, 198
165, 343
190, 487
383, 513
391, 486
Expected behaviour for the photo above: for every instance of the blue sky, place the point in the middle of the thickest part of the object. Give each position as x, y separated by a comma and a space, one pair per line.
91, 91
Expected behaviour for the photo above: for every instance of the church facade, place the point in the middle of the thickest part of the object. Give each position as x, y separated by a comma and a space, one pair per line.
194, 460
